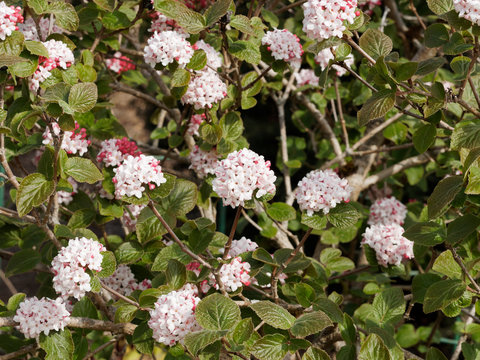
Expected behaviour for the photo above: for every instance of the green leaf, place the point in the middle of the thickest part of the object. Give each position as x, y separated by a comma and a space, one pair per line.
424, 137
443, 195
176, 274
182, 199
317, 221
198, 61
164, 189
196, 341
473, 187
270, 347
33, 191
231, 125
13, 44
472, 156
85, 308
149, 229
310, 323
142, 339
170, 252
22, 261
82, 170
211, 133
343, 215
436, 35
445, 264
314, 353
430, 65
115, 20
217, 312
129, 252
264, 256
374, 348
57, 345
180, 77
36, 48
83, 97
466, 135
461, 228
242, 23
246, 51
435, 354
273, 314
109, 264
425, 233
441, 294
388, 307
406, 70
216, 11
377, 106
440, 7
65, 15
281, 212
188, 19
15, 301
375, 43
242, 331
125, 313
421, 283
460, 66
82, 218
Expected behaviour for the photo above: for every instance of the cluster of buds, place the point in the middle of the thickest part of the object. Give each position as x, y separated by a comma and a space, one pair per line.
73, 141
119, 63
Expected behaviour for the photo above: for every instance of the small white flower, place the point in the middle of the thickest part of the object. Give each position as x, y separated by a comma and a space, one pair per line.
284, 46
166, 47
203, 162
205, 89
387, 211
468, 9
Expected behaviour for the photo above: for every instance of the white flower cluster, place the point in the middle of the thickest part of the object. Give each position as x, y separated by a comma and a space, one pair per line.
194, 124
30, 32
214, 60
65, 197
129, 218
114, 151
325, 55
203, 162
59, 55
73, 141
162, 23
240, 174
468, 9
390, 246
233, 275
166, 47
324, 19
205, 89
242, 246
387, 211
136, 171
306, 77
10, 17
321, 190
35, 316
123, 281
284, 46
174, 316
68, 267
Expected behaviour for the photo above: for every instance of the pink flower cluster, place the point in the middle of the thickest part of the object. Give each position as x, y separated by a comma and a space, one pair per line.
174, 316
324, 57
136, 171
468, 9
119, 63
233, 275
30, 32
10, 17
321, 190
387, 211
240, 174
35, 316
130, 216
123, 281
73, 141
196, 4
194, 124
306, 77
284, 46
59, 56
166, 47
65, 197
242, 246
203, 162
368, 6
204, 90
68, 267
114, 151
324, 19
390, 246
214, 60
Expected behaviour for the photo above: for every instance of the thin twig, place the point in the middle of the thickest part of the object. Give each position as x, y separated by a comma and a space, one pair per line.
464, 269
24, 350
340, 114
102, 347
8, 283
232, 233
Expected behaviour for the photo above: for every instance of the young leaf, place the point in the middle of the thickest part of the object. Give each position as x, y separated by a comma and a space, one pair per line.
441, 294
83, 97
217, 312
314, 353
216, 11
196, 341
376, 43
443, 195
281, 211
424, 137
22, 261
343, 215
374, 348
273, 314
377, 106
82, 170
310, 323
57, 345
270, 347
33, 191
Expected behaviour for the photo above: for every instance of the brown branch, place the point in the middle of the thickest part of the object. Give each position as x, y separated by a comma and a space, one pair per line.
23, 351
288, 7
139, 94
349, 272
459, 261
232, 234
340, 114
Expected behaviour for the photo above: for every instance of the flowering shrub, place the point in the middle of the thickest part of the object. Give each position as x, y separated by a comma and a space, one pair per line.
308, 186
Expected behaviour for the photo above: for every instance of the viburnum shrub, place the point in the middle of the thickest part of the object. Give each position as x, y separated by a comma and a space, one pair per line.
310, 190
